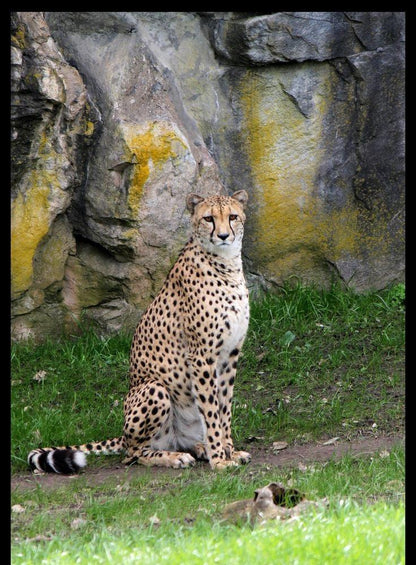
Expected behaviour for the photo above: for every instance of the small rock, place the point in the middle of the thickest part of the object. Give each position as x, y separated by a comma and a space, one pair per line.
40, 376
78, 523
279, 445
331, 441
273, 501
154, 520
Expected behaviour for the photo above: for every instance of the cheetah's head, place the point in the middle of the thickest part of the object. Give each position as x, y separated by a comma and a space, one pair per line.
218, 222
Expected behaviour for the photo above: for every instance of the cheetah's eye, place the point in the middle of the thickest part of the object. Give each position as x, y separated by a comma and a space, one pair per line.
209, 219
233, 217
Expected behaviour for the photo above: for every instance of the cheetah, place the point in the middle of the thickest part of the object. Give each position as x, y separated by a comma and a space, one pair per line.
184, 355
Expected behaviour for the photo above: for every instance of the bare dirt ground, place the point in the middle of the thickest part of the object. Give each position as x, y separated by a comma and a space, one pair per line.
319, 452
292, 456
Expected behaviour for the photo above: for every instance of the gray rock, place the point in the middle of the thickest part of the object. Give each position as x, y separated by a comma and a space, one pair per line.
287, 37
48, 151
117, 116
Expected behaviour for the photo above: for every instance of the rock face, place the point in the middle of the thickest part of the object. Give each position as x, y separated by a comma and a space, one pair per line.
50, 134
319, 112
117, 116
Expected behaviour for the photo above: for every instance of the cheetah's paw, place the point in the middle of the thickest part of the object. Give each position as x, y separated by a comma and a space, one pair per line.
220, 464
182, 460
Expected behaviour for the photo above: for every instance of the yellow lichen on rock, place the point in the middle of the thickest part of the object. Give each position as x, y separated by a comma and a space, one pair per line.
279, 141
285, 150
30, 217
33, 211
150, 147
18, 39
89, 128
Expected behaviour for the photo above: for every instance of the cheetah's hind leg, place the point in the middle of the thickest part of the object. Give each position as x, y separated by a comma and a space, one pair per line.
147, 414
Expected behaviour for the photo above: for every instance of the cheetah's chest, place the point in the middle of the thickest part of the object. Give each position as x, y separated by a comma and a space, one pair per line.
235, 317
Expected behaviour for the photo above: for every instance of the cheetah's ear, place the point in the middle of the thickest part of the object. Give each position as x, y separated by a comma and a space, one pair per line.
192, 200
241, 196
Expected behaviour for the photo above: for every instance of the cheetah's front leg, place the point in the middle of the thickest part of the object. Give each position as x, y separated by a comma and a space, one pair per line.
206, 396
226, 375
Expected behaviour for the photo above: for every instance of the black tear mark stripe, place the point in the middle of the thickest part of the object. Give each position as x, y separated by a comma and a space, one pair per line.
231, 227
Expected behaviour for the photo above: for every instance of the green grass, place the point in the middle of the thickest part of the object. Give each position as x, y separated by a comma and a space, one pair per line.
80, 397
321, 363
351, 535
315, 364
176, 517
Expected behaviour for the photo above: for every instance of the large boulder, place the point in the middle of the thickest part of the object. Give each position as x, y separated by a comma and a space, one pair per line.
123, 202
318, 137
50, 135
295, 37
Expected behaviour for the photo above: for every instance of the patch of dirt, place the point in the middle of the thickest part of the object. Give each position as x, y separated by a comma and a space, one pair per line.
318, 452
292, 456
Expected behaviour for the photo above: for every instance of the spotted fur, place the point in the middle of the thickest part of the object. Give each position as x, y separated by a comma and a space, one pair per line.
184, 354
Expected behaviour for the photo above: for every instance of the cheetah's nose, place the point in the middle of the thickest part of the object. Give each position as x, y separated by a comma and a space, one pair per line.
223, 236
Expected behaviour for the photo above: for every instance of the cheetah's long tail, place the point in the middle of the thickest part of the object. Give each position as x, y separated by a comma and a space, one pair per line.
71, 458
